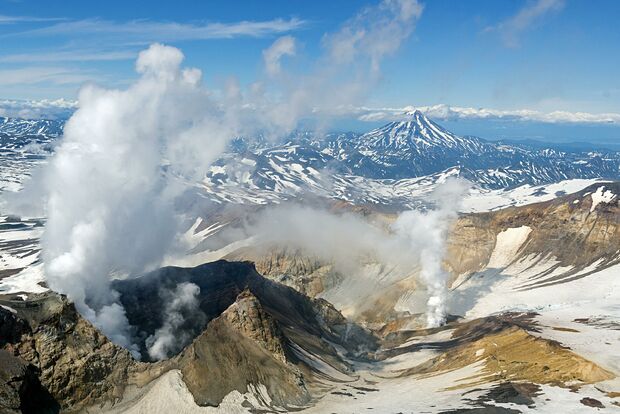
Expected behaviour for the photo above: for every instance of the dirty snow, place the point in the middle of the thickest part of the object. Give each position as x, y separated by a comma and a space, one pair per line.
169, 394
507, 244
601, 196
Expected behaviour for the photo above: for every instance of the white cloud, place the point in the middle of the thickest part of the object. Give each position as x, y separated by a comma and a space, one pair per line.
80, 55
284, 46
38, 74
375, 32
144, 31
4, 19
446, 112
511, 28
41, 109
347, 68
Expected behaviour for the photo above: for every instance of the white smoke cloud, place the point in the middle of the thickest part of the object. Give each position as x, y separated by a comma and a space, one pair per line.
284, 46
413, 245
111, 186
531, 13
181, 305
343, 238
374, 33
426, 234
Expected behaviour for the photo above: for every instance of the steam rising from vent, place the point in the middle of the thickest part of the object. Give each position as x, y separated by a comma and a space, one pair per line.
111, 190
110, 205
427, 233
181, 308
414, 245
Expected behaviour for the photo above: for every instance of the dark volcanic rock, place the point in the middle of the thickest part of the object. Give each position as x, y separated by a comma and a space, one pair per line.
591, 402
220, 284
20, 389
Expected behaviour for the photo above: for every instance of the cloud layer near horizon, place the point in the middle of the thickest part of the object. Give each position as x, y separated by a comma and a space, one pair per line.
447, 112
62, 108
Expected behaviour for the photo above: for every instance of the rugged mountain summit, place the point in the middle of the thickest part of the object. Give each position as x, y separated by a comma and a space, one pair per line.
378, 167
411, 148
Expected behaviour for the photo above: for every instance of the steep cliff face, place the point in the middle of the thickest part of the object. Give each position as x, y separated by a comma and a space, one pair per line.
571, 236
242, 349
62, 361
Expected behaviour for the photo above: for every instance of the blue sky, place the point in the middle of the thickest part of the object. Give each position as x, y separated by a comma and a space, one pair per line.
542, 56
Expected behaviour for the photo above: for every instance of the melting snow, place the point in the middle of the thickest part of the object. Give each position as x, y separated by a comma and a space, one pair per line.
507, 245
601, 196
169, 394
25, 281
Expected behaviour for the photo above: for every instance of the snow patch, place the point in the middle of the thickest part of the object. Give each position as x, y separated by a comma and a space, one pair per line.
169, 394
601, 196
28, 280
507, 244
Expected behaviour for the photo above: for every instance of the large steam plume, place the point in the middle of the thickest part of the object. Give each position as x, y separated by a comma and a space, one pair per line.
111, 189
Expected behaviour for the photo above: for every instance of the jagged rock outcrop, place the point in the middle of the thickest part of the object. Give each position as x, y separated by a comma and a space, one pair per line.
247, 316
306, 274
60, 357
242, 348
220, 283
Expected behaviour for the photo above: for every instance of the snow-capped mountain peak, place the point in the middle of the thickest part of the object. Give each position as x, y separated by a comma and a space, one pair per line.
416, 135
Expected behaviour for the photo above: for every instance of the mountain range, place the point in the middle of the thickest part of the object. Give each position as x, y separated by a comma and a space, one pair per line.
361, 167
383, 165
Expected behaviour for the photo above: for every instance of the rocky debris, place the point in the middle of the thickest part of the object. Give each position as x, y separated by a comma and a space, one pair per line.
75, 365
591, 402
520, 393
